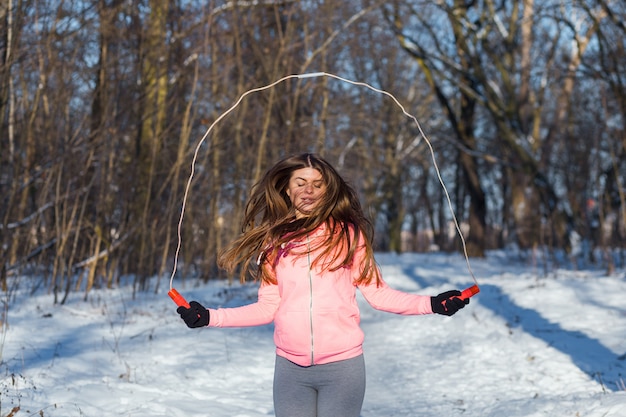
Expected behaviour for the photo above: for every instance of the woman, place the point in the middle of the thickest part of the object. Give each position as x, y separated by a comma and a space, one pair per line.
306, 239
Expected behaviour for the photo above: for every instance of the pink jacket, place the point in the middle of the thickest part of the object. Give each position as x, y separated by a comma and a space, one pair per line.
315, 313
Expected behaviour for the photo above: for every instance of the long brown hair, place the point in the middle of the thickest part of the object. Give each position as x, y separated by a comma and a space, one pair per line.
270, 221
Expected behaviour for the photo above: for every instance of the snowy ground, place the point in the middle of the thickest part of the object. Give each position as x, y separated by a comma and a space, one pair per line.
530, 344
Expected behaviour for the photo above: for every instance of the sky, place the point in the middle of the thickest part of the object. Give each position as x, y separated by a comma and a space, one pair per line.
538, 340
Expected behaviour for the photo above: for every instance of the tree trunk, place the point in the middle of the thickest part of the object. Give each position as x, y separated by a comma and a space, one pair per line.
154, 82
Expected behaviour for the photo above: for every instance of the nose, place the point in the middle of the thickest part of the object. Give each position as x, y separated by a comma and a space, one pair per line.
308, 189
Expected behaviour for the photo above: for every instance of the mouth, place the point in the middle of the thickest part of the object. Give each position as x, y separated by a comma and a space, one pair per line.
306, 203
309, 200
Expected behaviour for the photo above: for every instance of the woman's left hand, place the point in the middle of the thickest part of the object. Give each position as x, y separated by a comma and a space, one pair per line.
448, 303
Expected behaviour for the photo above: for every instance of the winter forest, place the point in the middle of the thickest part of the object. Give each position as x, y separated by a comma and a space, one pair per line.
105, 103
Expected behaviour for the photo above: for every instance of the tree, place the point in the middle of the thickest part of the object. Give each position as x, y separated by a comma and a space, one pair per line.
460, 106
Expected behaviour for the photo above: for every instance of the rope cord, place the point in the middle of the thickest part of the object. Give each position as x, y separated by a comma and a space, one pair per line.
303, 76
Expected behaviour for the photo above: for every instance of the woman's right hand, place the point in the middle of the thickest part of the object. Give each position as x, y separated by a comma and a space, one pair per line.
194, 316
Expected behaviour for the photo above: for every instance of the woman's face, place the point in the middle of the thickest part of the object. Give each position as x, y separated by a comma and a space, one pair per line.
305, 190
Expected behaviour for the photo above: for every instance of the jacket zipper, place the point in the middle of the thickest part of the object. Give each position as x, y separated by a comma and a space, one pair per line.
310, 299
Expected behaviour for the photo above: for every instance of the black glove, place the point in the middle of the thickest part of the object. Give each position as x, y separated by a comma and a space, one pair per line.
448, 303
195, 316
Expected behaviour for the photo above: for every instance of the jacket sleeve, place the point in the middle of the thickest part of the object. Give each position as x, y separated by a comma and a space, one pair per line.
259, 313
383, 297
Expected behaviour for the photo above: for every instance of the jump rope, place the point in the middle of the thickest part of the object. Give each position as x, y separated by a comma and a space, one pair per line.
180, 300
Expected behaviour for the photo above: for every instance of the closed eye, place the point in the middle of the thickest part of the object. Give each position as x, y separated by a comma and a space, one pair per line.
315, 184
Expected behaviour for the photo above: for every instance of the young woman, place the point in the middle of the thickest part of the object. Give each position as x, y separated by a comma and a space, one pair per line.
307, 241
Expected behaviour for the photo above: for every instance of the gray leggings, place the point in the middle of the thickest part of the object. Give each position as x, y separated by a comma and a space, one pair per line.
331, 390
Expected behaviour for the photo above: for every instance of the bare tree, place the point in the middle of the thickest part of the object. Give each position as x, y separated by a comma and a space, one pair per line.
460, 106
104, 104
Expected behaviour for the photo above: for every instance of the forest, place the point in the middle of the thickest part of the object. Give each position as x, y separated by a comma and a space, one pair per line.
131, 131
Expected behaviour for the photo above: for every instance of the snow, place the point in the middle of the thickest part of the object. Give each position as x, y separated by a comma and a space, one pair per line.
534, 342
